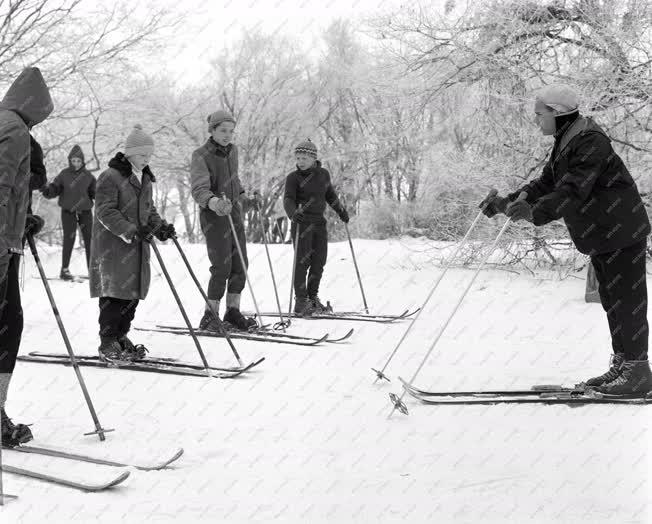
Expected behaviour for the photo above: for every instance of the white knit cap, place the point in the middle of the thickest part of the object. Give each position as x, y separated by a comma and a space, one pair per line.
561, 97
138, 142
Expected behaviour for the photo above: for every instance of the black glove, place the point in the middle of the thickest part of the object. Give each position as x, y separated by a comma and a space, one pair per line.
33, 224
144, 234
494, 204
344, 216
298, 217
519, 210
165, 232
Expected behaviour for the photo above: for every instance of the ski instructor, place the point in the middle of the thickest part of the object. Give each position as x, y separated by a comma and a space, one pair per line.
587, 184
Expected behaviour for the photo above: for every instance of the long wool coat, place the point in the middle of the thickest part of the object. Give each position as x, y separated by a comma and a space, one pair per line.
119, 266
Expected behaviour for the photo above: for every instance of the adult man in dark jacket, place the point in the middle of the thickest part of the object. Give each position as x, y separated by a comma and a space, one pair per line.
587, 184
26, 104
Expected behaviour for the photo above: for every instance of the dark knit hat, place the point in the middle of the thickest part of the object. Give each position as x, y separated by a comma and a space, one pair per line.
306, 147
216, 118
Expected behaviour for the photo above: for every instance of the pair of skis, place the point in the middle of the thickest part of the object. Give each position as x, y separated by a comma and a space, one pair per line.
259, 335
544, 394
102, 470
168, 366
354, 316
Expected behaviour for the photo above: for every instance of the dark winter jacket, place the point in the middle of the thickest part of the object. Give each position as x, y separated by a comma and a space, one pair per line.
75, 188
119, 266
312, 190
213, 171
587, 184
26, 103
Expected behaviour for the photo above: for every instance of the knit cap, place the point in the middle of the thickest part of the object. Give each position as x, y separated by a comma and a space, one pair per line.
306, 147
561, 97
216, 118
138, 142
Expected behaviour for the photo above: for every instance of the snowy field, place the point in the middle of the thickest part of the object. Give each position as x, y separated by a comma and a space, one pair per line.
306, 438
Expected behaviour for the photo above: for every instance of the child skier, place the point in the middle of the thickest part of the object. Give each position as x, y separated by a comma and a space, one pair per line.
26, 104
587, 184
75, 187
307, 191
217, 190
125, 220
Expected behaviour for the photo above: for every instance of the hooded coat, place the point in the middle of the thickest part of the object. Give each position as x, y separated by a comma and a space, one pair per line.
75, 188
119, 266
26, 104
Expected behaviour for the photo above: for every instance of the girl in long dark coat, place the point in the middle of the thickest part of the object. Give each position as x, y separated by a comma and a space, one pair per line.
125, 220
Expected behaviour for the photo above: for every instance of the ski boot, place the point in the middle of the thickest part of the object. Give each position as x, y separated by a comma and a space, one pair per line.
208, 322
131, 351
318, 307
635, 379
66, 275
614, 370
110, 349
303, 307
236, 319
14, 434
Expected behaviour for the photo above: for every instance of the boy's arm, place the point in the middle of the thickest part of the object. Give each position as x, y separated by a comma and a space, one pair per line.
200, 180
290, 196
54, 188
334, 201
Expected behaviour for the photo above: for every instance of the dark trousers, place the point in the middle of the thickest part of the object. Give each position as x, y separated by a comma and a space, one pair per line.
69, 221
116, 315
623, 294
11, 317
311, 252
223, 253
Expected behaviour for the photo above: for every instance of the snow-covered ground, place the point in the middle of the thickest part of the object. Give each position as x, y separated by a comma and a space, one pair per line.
306, 437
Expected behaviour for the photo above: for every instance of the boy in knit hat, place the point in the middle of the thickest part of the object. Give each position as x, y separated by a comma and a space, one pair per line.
125, 221
75, 187
217, 190
307, 191
26, 104
587, 184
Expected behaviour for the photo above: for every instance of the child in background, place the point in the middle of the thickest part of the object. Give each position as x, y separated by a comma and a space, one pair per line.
75, 187
307, 191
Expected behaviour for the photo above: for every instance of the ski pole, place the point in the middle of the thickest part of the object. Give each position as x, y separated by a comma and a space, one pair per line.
397, 402
244, 266
294, 271
220, 325
357, 272
99, 431
381, 374
282, 323
181, 308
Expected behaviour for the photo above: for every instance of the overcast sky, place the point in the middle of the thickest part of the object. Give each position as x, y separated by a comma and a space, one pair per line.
210, 23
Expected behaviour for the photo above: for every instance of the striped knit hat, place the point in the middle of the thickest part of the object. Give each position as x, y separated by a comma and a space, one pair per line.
138, 142
216, 118
306, 147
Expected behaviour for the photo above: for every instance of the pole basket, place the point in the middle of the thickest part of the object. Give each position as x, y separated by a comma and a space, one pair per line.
398, 403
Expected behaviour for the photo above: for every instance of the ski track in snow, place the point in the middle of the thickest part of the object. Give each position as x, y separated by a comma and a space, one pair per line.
305, 438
